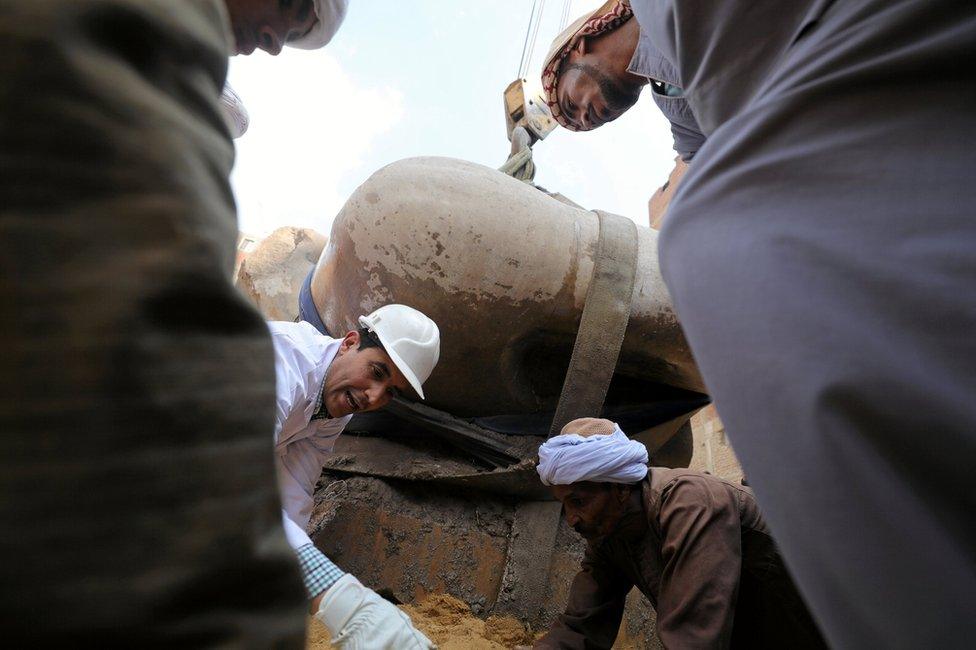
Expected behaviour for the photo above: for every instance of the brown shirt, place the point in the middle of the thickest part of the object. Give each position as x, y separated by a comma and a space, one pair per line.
697, 547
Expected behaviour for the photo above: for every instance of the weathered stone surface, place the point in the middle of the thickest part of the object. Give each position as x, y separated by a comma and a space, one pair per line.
503, 269
409, 540
272, 274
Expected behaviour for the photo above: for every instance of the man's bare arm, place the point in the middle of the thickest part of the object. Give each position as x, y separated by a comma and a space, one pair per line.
660, 200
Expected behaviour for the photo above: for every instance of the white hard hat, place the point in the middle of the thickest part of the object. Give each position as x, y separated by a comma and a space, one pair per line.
330, 14
410, 338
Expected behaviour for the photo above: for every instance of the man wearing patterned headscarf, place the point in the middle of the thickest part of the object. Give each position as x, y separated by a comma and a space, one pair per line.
598, 66
595, 71
695, 545
828, 219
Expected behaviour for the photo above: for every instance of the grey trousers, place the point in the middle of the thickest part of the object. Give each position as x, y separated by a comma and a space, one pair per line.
138, 503
821, 253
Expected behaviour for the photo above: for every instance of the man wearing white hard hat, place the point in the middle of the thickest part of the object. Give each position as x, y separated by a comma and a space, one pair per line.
270, 25
695, 545
320, 383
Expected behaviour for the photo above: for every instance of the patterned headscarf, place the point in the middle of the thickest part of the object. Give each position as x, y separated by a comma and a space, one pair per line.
605, 18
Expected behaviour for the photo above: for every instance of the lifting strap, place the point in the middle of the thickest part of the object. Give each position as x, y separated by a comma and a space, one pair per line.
601, 333
603, 323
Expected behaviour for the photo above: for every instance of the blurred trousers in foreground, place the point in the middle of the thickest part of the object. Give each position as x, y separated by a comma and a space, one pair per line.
138, 504
830, 222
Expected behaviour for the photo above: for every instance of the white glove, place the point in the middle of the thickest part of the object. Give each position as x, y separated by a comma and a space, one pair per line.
360, 619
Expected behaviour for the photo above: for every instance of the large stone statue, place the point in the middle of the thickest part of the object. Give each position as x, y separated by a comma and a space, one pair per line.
504, 270
271, 273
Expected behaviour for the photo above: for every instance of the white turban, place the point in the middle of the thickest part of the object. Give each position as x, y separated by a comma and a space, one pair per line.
234, 112
330, 14
571, 458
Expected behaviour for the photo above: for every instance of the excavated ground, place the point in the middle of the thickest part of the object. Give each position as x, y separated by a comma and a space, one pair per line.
449, 623
443, 551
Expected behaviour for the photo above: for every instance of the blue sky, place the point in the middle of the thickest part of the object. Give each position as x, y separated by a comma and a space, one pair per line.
420, 78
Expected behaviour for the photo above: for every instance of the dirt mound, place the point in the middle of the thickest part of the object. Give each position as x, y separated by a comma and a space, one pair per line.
450, 624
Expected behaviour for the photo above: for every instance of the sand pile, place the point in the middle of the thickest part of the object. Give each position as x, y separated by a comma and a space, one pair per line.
450, 624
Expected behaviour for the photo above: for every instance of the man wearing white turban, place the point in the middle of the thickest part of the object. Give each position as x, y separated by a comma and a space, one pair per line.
695, 545
270, 25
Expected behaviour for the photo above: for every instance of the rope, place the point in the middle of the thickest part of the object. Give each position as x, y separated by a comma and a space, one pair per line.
519, 164
535, 34
567, 7
531, 33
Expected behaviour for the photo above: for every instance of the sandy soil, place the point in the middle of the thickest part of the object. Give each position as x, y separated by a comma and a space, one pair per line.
450, 624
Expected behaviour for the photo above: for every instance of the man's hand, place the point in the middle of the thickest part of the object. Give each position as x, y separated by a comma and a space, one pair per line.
357, 617
659, 203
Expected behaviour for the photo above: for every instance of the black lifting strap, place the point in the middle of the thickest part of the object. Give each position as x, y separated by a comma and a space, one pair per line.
603, 324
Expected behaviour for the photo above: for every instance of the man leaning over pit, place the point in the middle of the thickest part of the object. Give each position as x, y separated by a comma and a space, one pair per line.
595, 71
270, 25
695, 545
321, 382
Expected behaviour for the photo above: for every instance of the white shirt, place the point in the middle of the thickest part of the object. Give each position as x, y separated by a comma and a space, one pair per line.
302, 358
